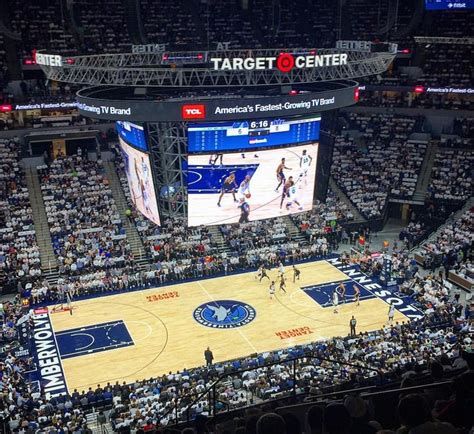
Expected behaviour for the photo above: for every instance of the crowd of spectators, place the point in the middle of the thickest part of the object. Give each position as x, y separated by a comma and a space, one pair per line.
377, 161
86, 228
426, 350
19, 252
464, 128
3, 65
224, 21
23, 408
41, 25
414, 231
451, 246
104, 28
324, 217
451, 176
173, 24
394, 352
254, 235
447, 65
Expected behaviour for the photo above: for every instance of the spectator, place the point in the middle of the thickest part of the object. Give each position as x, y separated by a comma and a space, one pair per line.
415, 418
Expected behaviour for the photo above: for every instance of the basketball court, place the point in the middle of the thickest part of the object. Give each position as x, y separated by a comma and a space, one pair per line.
143, 334
205, 184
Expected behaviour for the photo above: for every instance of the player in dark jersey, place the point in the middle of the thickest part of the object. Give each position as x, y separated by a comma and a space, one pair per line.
263, 273
296, 274
244, 212
280, 174
286, 190
342, 292
228, 186
357, 295
282, 283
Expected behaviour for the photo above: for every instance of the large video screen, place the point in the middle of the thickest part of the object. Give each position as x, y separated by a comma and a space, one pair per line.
132, 134
433, 5
138, 169
241, 187
241, 135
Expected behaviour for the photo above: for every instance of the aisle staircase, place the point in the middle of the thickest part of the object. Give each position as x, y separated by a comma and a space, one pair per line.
133, 237
97, 428
40, 221
222, 246
425, 172
293, 231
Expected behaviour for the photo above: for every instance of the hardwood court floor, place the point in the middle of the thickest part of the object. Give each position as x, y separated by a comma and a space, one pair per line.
264, 202
167, 337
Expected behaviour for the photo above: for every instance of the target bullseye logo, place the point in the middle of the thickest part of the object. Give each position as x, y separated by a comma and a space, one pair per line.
285, 62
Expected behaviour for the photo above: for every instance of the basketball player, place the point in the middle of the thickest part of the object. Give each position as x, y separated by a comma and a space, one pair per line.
228, 186
286, 190
136, 185
244, 212
335, 300
342, 292
145, 197
356, 295
282, 283
244, 189
263, 273
293, 197
272, 289
259, 272
296, 274
305, 162
213, 159
391, 313
281, 269
280, 174
145, 173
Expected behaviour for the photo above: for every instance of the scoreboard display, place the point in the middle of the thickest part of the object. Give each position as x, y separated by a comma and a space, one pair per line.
251, 134
433, 5
132, 134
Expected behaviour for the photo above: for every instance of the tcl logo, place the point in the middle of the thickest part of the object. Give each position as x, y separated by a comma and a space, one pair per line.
356, 94
193, 111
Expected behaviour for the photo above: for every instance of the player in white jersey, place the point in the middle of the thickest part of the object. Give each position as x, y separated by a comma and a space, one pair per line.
281, 269
244, 189
145, 172
272, 289
391, 313
335, 300
293, 198
305, 162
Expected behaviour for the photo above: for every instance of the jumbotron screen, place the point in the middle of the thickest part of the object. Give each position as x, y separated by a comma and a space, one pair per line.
241, 135
252, 185
138, 169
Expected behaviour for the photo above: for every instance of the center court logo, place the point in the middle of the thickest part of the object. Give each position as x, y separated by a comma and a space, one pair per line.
224, 314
